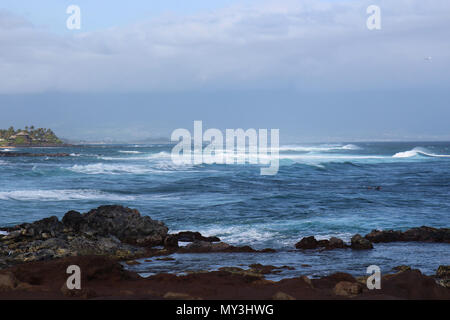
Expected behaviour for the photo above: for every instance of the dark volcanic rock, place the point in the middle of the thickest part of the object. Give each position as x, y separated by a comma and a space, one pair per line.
336, 243
114, 231
307, 243
267, 269
443, 276
443, 272
73, 220
422, 234
411, 284
360, 243
124, 223
29, 154
377, 236
171, 241
312, 243
189, 236
205, 247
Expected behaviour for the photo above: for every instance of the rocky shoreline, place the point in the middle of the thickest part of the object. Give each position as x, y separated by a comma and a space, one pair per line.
9, 154
33, 256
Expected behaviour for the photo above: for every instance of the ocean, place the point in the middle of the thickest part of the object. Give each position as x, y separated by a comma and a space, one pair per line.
321, 189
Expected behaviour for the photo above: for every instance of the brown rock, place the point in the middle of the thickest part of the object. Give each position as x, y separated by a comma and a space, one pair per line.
84, 293
402, 268
347, 289
282, 296
443, 272
307, 243
165, 259
171, 241
7, 281
189, 236
336, 243
360, 243
179, 296
422, 234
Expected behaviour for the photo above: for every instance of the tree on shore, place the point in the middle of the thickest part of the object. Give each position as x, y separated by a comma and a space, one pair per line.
29, 135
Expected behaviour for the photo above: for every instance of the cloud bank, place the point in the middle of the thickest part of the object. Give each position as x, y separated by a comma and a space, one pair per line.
300, 45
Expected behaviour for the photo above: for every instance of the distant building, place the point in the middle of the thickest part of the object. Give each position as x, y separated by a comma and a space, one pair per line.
22, 135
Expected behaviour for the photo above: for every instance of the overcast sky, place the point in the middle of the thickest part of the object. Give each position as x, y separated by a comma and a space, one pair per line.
310, 68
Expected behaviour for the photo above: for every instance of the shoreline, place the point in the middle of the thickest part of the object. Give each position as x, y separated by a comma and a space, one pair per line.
105, 278
118, 236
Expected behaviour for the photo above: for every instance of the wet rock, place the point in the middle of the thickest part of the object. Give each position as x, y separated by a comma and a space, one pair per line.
443, 272
165, 259
7, 281
282, 296
312, 243
347, 289
73, 220
29, 154
422, 234
189, 236
114, 231
307, 243
401, 268
179, 296
360, 243
267, 269
411, 284
124, 223
204, 246
239, 271
443, 276
84, 293
171, 242
336, 243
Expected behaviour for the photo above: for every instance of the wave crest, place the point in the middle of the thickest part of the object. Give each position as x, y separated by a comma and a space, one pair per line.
418, 151
62, 195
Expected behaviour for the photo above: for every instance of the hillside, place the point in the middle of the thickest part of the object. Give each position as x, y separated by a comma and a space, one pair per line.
30, 136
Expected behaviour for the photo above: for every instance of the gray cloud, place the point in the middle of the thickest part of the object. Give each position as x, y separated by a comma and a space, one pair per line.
306, 45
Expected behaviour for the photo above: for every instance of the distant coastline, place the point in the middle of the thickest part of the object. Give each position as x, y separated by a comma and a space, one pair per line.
29, 137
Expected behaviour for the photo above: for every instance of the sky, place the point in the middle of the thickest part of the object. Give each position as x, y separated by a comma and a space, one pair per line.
310, 68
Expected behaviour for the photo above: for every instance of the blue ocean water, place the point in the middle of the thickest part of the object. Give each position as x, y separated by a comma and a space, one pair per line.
320, 189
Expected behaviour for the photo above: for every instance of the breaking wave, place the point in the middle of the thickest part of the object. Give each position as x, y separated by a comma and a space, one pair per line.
62, 195
101, 168
418, 152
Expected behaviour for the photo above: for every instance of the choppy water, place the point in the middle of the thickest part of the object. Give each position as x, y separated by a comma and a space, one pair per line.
320, 189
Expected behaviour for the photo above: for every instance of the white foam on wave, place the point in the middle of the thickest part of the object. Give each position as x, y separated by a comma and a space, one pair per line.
129, 151
351, 147
238, 234
62, 195
120, 168
319, 148
160, 155
102, 168
418, 151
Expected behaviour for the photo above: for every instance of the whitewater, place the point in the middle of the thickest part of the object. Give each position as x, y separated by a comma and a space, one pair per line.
322, 189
